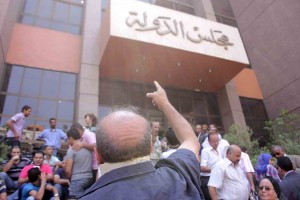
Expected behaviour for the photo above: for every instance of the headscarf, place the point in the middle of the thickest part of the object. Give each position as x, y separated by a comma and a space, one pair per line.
262, 163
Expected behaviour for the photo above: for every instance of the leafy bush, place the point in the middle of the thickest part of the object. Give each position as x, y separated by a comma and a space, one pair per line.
284, 132
241, 137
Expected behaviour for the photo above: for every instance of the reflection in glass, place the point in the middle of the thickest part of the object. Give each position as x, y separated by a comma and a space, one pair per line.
27, 20
67, 86
45, 8
43, 23
31, 81
50, 84
61, 11
30, 6
9, 104
75, 15
3, 121
65, 110
15, 80
47, 108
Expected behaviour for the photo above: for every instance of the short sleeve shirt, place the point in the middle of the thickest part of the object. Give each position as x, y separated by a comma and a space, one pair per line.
27, 188
89, 137
44, 168
19, 121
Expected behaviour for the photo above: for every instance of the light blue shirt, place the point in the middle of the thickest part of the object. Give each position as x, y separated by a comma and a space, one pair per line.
53, 137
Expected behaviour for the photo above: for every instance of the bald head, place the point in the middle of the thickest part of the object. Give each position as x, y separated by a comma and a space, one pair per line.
123, 135
234, 154
277, 151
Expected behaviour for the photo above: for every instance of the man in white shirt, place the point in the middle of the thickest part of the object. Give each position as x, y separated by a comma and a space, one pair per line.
227, 181
209, 158
247, 168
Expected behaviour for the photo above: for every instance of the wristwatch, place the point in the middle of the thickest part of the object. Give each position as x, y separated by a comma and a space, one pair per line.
55, 195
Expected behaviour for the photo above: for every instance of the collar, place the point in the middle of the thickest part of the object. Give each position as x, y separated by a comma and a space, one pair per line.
122, 173
107, 167
288, 173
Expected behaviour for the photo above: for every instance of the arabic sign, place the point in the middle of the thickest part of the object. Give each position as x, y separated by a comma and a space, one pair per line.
155, 25
164, 25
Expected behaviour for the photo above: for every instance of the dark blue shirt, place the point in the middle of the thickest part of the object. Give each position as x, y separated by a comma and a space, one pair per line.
177, 177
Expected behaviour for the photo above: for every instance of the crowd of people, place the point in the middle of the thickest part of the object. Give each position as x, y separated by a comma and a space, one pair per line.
124, 157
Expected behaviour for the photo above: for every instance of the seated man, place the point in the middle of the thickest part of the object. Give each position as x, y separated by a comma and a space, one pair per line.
2, 190
38, 158
37, 185
50, 159
61, 182
78, 167
12, 168
124, 144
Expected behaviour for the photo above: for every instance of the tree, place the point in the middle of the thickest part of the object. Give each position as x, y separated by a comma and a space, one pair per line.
284, 132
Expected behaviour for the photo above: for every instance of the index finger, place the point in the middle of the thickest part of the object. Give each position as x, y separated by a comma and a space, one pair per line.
157, 85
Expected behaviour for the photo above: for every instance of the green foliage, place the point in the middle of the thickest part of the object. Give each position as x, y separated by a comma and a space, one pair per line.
283, 131
4, 149
241, 137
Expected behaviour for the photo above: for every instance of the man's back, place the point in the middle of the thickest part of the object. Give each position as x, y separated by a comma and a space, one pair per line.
82, 163
177, 177
290, 186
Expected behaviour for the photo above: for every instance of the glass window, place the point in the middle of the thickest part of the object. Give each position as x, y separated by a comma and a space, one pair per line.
65, 110
32, 102
50, 84
47, 108
67, 86
121, 94
64, 126
9, 104
3, 121
31, 81
75, 15
30, 6
61, 12
27, 20
73, 29
43, 23
58, 26
212, 104
45, 8
15, 80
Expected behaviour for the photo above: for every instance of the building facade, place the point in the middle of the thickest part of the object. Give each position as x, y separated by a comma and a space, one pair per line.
67, 58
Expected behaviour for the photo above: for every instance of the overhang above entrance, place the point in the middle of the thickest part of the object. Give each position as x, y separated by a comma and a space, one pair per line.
141, 43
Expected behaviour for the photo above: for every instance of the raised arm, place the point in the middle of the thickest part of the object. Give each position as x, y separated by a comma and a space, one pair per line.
183, 130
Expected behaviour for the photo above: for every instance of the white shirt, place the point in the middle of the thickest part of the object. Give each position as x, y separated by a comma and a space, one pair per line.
167, 153
246, 166
209, 158
229, 181
223, 146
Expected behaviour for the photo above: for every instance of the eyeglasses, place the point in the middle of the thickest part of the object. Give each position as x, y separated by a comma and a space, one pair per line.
265, 187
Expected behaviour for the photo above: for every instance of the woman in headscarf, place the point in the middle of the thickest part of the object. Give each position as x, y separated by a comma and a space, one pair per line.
263, 168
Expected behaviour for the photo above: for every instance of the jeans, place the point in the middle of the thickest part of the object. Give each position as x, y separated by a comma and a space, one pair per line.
10, 184
78, 187
63, 190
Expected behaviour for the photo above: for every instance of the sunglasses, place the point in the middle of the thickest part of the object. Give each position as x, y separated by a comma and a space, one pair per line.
265, 188
275, 154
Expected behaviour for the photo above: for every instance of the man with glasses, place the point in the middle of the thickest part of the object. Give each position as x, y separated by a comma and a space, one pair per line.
278, 151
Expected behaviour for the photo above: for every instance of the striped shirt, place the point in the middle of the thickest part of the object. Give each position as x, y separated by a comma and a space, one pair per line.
15, 170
